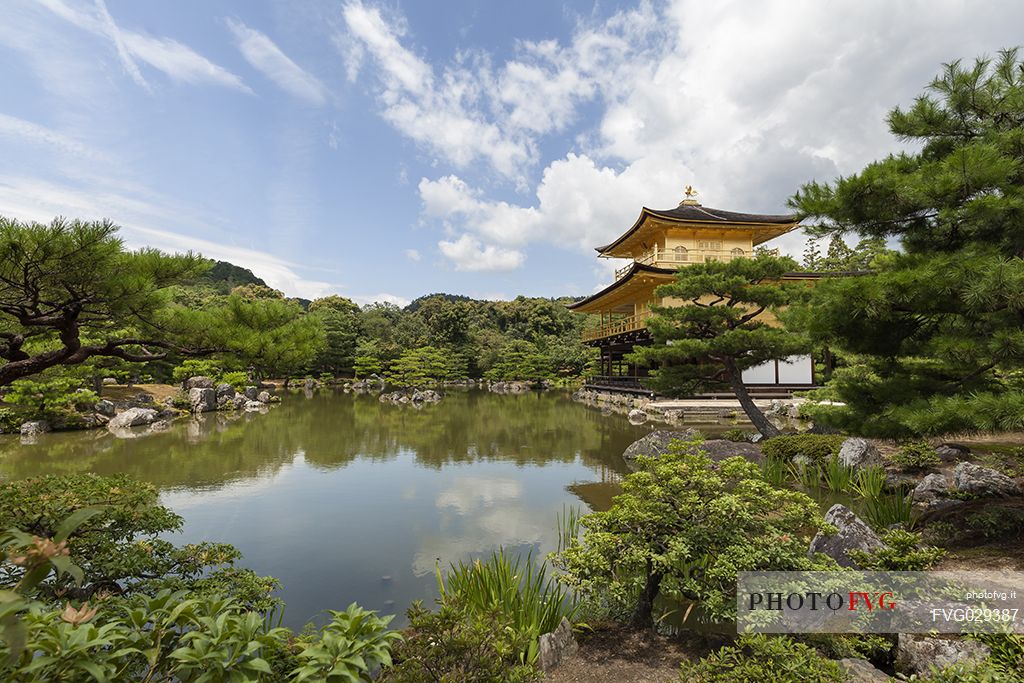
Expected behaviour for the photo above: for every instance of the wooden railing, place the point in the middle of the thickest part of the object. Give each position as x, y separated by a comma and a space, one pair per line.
618, 326
670, 258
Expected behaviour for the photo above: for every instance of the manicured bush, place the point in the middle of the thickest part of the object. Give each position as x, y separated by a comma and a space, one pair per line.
684, 526
760, 657
196, 367
56, 398
915, 456
238, 379
816, 447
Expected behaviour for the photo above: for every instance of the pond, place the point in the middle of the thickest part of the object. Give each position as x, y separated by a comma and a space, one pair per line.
346, 499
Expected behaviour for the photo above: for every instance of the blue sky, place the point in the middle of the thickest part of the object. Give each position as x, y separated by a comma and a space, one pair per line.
383, 150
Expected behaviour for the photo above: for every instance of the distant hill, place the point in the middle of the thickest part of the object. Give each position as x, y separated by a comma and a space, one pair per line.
224, 277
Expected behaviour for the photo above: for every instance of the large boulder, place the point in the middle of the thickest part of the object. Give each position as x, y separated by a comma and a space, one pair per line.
133, 417
862, 671
202, 400
34, 427
720, 449
198, 382
857, 453
225, 390
553, 647
983, 481
637, 416
852, 534
656, 443
251, 393
106, 408
263, 397
930, 488
916, 654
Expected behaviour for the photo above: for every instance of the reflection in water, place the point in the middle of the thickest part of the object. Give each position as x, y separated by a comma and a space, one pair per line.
347, 499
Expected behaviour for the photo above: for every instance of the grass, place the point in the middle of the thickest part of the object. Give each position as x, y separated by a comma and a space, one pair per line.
774, 471
568, 524
806, 474
518, 589
886, 509
869, 482
836, 475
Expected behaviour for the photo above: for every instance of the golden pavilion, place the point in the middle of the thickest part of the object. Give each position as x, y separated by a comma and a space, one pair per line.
657, 245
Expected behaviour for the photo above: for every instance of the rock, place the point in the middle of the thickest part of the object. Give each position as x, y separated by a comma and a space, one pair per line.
673, 415
263, 397
426, 396
952, 452
225, 390
720, 449
109, 381
160, 426
251, 405
862, 671
133, 417
309, 385
106, 408
637, 416
857, 453
916, 654
239, 400
251, 393
35, 427
656, 443
202, 400
198, 382
555, 646
983, 481
931, 487
852, 534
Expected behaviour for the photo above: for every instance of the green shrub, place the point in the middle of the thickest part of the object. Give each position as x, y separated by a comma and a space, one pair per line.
966, 672
457, 643
837, 476
122, 549
869, 482
11, 419
816, 447
55, 399
915, 456
759, 657
684, 526
1007, 650
902, 552
238, 379
196, 367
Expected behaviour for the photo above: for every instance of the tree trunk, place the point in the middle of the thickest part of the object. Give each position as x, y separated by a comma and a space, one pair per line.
643, 615
757, 418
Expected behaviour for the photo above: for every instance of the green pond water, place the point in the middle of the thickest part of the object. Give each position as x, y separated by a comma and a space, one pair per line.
346, 499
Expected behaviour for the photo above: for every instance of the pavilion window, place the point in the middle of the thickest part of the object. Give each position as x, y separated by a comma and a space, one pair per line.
680, 254
738, 253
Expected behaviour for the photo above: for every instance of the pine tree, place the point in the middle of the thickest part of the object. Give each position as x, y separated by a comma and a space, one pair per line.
933, 338
721, 330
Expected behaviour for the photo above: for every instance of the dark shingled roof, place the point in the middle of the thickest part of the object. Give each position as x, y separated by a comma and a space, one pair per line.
704, 214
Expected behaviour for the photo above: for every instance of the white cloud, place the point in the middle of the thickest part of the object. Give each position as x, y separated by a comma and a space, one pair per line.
746, 103
20, 130
179, 62
266, 57
383, 297
412, 255
38, 200
468, 253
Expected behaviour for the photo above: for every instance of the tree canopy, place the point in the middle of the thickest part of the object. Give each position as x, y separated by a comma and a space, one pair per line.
933, 338
714, 326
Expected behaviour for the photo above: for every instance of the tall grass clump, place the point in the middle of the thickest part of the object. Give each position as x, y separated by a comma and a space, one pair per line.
568, 523
886, 509
774, 471
869, 482
533, 602
836, 475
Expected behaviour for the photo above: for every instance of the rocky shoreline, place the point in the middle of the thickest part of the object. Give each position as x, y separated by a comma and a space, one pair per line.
196, 396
